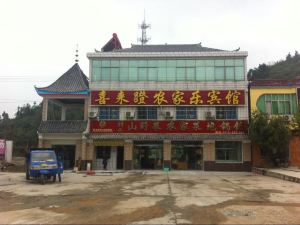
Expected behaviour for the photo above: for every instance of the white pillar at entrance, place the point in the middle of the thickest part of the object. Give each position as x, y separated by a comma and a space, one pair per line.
63, 113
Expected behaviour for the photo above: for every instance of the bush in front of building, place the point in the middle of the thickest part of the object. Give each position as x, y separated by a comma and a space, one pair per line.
272, 135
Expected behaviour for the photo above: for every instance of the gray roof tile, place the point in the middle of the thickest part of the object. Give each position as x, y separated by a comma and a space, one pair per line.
72, 126
168, 48
72, 81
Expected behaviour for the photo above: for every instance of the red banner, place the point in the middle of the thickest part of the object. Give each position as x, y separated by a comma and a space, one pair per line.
196, 97
169, 126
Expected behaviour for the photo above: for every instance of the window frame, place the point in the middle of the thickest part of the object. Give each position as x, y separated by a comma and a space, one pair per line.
227, 150
109, 112
147, 110
185, 110
226, 110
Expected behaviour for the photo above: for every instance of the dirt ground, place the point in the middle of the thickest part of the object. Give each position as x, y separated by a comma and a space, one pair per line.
150, 198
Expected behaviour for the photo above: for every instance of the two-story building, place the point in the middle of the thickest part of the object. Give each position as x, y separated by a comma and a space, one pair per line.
168, 106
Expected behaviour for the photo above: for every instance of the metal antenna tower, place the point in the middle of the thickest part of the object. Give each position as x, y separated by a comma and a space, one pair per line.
144, 39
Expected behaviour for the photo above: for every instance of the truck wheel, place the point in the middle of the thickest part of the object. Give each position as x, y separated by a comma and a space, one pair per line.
59, 177
43, 179
54, 178
27, 175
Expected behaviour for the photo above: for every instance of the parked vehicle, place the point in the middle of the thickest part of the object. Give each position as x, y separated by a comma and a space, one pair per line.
42, 164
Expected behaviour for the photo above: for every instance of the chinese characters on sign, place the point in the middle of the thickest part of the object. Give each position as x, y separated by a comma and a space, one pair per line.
169, 126
176, 97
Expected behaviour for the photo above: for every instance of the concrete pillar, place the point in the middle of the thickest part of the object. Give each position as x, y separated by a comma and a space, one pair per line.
128, 152
45, 109
89, 151
167, 151
85, 109
209, 154
83, 149
63, 113
246, 151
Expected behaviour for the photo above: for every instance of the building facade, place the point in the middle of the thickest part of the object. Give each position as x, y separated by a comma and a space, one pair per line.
276, 97
177, 107
173, 107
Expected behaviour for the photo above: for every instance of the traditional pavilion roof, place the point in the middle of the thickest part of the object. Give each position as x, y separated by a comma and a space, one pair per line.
72, 126
72, 82
169, 48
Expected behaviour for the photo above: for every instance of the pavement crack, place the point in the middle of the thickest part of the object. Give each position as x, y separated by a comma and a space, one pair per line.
171, 200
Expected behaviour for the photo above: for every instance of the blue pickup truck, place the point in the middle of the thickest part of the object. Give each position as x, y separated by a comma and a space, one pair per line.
42, 165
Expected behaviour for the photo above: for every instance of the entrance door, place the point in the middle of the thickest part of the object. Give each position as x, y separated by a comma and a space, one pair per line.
187, 156
120, 157
66, 154
148, 155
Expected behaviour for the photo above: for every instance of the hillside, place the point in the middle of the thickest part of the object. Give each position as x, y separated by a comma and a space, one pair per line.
284, 69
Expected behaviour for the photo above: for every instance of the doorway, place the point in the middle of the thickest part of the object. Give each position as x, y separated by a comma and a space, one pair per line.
148, 155
66, 154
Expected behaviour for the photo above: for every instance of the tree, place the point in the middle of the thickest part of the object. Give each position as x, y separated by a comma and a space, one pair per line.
271, 134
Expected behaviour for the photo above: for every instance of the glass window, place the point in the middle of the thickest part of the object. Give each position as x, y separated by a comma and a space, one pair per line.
180, 73
210, 73
229, 151
229, 73
123, 74
152, 63
152, 74
171, 63
277, 104
96, 63
219, 73
239, 62
142, 74
162, 74
132, 74
105, 73
108, 113
200, 63
133, 63
162, 63
200, 73
219, 62
181, 63
96, 74
190, 73
190, 63
142, 63
226, 112
229, 62
105, 63
186, 112
209, 63
115, 63
115, 74
171, 73
123, 63
147, 112
239, 73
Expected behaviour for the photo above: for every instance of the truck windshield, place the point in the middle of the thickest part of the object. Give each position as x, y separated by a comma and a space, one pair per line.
43, 156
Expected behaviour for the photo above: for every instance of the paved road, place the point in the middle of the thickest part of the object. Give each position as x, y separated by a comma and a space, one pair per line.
151, 198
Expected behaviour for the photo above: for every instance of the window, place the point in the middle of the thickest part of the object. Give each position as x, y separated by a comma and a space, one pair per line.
228, 151
183, 112
147, 113
226, 112
108, 113
219, 69
277, 104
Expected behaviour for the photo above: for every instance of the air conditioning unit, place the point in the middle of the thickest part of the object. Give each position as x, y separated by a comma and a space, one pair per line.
209, 116
168, 115
129, 115
92, 114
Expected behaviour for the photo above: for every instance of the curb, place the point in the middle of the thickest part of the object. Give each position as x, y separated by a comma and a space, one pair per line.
266, 172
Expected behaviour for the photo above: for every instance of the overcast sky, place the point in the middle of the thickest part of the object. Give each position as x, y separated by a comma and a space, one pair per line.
38, 37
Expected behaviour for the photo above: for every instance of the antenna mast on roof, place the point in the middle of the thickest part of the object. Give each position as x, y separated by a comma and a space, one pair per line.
76, 55
144, 27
